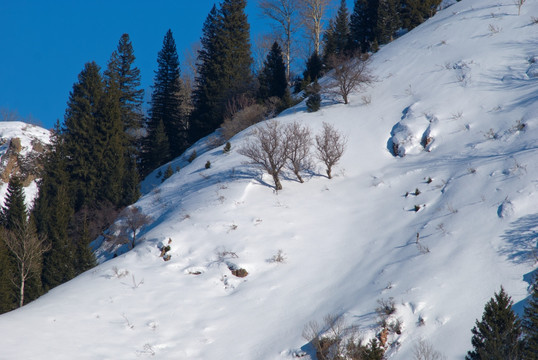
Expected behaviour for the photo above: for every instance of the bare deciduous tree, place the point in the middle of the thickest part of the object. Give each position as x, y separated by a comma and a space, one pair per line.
268, 149
132, 221
284, 12
349, 73
299, 142
330, 146
423, 350
519, 4
313, 13
27, 248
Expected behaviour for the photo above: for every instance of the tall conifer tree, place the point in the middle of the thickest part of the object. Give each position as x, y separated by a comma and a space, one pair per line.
224, 70
14, 209
166, 105
272, 78
388, 20
363, 24
530, 324
497, 336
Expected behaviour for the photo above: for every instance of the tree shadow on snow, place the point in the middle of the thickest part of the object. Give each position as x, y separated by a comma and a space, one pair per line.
522, 240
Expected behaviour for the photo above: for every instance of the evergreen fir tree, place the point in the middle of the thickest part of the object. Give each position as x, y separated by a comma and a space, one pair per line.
314, 67
122, 76
14, 209
388, 20
341, 29
224, 71
122, 73
363, 24
530, 324
329, 41
53, 213
415, 12
167, 103
80, 136
497, 336
272, 77
8, 301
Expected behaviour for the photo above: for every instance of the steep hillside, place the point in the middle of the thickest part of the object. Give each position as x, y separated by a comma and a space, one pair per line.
21, 145
453, 113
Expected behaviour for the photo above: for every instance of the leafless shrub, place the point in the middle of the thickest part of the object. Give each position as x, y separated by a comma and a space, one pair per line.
132, 220
268, 148
330, 146
423, 350
335, 340
457, 116
224, 255
386, 307
350, 72
366, 99
242, 119
299, 142
494, 29
119, 273
534, 20
135, 283
127, 322
238, 103
519, 4
279, 257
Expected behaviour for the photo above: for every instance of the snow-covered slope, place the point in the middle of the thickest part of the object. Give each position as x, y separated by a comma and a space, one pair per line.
20, 145
464, 80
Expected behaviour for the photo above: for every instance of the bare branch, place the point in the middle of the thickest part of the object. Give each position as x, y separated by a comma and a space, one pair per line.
330, 146
268, 148
27, 248
299, 143
314, 11
349, 73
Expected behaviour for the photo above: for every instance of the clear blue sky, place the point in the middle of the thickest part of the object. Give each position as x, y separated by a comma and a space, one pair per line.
45, 44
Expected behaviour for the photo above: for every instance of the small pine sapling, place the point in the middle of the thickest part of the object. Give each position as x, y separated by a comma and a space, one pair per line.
227, 147
208, 164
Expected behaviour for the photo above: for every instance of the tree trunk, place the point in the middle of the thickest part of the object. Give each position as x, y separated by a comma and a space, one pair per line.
278, 185
21, 291
329, 173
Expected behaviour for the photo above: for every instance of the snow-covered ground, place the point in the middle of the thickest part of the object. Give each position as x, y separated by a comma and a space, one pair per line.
466, 81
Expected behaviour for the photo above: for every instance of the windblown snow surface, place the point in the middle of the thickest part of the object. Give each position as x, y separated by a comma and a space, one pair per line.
457, 96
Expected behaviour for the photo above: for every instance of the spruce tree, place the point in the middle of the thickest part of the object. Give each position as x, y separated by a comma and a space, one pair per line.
167, 104
224, 71
8, 301
341, 29
314, 67
388, 20
14, 209
272, 77
497, 336
53, 213
122, 76
530, 324
80, 136
364, 25
329, 41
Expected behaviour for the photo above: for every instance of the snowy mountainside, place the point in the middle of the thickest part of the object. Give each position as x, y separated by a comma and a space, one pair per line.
453, 113
20, 145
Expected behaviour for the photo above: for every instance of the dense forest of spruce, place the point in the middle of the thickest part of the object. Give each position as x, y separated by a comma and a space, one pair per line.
107, 142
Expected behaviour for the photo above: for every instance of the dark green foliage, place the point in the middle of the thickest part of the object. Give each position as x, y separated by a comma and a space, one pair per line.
415, 12
313, 103
227, 147
192, 156
224, 71
272, 77
166, 108
530, 324
14, 211
337, 37
497, 336
314, 67
53, 213
169, 172
208, 164
122, 74
8, 300
363, 22
388, 20
122, 80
